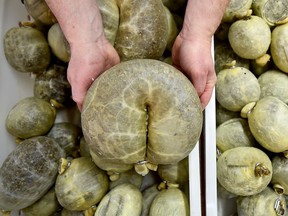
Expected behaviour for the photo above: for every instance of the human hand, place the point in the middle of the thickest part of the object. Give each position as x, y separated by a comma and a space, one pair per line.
193, 57
87, 62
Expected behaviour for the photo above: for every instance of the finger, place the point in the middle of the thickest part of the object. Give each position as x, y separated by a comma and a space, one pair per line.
205, 97
79, 87
199, 81
78, 95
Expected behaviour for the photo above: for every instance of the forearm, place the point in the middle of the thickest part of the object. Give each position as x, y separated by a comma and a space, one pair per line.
202, 18
80, 21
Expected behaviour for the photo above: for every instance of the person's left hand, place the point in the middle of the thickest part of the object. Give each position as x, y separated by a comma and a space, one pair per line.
194, 58
87, 62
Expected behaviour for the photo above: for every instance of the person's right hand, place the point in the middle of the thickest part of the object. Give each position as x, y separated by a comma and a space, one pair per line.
87, 62
193, 57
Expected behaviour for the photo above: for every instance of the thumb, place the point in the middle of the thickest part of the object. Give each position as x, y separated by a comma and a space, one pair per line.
199, 81
79, 89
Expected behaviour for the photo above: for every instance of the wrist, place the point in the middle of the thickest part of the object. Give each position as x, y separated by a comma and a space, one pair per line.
82, 34
197, 37
202, 18
87, 40
80, 46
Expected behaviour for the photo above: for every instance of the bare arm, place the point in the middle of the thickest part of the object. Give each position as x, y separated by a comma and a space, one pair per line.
91, 53
80, 20
191, 52
202, 17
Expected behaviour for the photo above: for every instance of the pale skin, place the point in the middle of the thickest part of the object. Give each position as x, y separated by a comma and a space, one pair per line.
191, 52
92, 54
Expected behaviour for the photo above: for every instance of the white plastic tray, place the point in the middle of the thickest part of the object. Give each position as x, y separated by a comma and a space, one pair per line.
15, 85
213, 205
